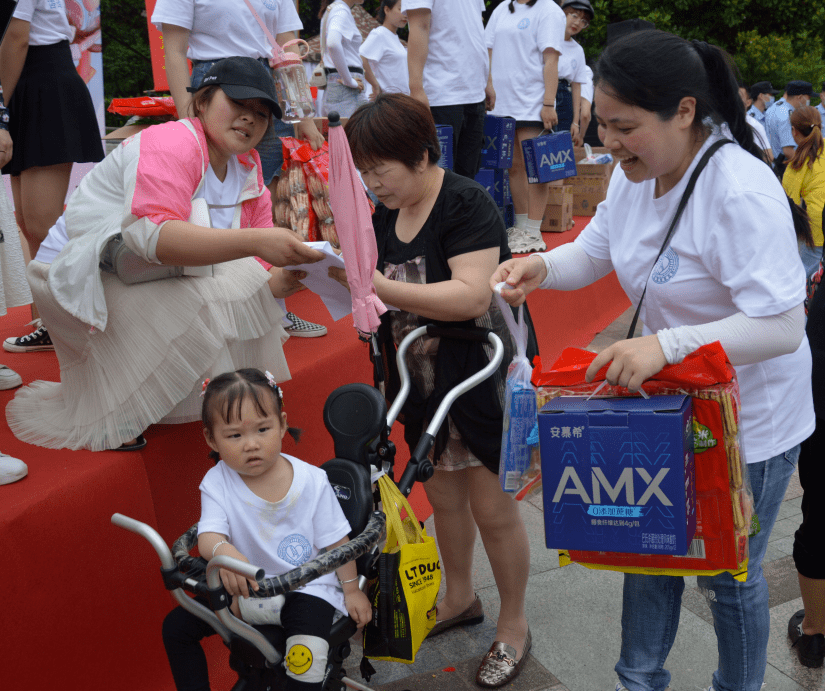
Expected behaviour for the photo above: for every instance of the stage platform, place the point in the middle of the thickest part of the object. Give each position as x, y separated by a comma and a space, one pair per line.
84, 601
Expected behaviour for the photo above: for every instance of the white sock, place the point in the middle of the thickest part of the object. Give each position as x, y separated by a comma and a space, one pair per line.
534, 227
521, 220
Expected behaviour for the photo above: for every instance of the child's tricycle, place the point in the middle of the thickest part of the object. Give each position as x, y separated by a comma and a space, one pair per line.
357, 418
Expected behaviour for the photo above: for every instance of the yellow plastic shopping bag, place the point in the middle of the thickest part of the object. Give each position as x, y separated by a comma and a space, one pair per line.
405, 592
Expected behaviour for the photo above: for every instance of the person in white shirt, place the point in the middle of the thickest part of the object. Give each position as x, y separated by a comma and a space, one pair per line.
586, 101
760, 136
340, 43
264, 507
204, 31
524, 39
385, 54
572, 68
49, 125
731, 274
449, 72
821, 105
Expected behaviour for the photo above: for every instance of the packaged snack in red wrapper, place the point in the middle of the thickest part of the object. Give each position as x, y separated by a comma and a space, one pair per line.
144, 106
723, 494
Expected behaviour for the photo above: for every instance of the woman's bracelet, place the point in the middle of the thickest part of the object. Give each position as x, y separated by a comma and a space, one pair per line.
222, 542
549, 105
351, 580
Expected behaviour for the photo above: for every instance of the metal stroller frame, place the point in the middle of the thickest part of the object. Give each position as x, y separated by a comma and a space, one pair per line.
356, 416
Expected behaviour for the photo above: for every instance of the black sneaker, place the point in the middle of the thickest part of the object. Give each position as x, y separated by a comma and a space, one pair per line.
810, 649
30, 343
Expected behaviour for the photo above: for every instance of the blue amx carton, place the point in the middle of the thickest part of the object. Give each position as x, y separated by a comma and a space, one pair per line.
497, 182
618, 474
549, 157
445, 141
499, 140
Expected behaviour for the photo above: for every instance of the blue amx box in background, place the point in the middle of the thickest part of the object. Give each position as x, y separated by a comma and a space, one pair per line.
499, 140
618, 474
549, 157
497, 182
445, 141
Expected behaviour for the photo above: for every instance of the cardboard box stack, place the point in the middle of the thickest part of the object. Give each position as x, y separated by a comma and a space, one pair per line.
496, 159
558, 215
590, 184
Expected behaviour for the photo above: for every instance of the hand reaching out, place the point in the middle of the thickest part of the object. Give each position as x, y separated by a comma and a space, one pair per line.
633, 361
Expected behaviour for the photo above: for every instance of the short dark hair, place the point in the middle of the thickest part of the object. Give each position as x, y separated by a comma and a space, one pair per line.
226, 393
394, 127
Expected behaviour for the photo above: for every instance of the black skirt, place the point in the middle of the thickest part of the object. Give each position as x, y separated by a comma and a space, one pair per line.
51, 116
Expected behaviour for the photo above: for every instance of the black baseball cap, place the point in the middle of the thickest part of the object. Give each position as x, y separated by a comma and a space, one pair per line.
763, 88
241, 79
797, 87
579, 5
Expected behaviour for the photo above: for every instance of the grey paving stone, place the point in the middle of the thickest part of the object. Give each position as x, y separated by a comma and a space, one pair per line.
784, 528
783, 584
791, 508
783, 544
794, 488
695, 601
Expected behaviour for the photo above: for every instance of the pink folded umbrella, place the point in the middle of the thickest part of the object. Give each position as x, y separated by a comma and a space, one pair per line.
353, 222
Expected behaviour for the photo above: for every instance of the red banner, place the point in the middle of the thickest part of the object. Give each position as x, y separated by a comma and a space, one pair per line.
156, 50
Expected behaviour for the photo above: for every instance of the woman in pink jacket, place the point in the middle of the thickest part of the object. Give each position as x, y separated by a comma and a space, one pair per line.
134, 354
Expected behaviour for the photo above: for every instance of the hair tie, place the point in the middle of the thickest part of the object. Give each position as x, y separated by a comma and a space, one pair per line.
203, 386
275, 387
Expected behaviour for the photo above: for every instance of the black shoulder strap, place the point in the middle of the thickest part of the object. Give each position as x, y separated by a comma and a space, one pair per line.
712, 149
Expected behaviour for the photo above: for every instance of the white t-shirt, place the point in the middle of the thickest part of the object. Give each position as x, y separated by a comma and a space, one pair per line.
587, 85
759, 133
518, 40
734, 250
457, 64
342, 40
48, 20
222, 197
571, 63
224, 28
278, 536
388, 59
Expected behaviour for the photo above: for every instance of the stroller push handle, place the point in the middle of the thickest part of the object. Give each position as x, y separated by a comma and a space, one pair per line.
419, 466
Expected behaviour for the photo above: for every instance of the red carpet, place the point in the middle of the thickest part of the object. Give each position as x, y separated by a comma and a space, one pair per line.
84, 601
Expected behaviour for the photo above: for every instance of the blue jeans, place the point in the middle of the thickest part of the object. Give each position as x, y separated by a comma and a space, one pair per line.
340, 98
810, 258
651, 604
269, 148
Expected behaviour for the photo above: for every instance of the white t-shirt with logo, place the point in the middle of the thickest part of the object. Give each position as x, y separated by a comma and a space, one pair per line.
457, 64
734, 250
388, 59
225, 28
518, 40
282, 535
48, 21
571, 63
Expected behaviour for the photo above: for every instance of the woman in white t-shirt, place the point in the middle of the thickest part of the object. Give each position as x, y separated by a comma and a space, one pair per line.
731, 274
384, 52
572, 68
524, 40
340, 42
133, 354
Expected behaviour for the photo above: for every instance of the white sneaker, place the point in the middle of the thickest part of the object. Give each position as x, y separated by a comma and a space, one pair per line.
11, 469
533, 242
9, 379
515, 239
619, 687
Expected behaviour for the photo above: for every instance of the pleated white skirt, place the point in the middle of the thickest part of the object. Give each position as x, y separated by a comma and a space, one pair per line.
161, 340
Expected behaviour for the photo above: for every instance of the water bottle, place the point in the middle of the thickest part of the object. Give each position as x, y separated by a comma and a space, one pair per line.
291, 85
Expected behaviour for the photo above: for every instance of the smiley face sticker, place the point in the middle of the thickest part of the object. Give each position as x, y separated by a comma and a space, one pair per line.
299, 659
